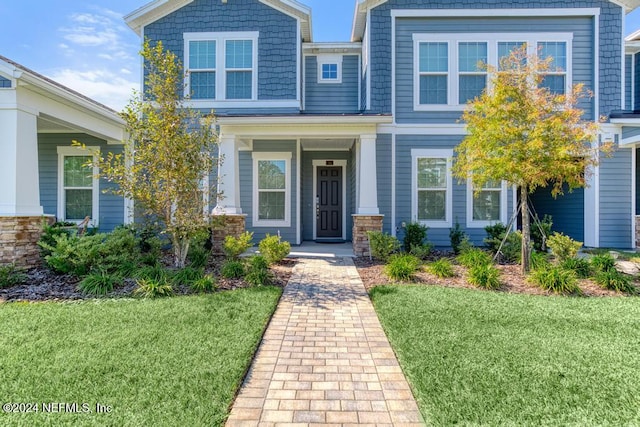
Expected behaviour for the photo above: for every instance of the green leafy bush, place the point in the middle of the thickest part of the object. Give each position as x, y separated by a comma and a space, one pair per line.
580, 266
153, 272
457, 237
382, 245
402, 267
556, 279
441, 268
539, 237
615, 281
150, 288
495, 234
10, 275
273, 249
258, 273
511, 249
421, 252
204, 284
539, 260
563, 247
233, 247
485, 276
49, 232
474, 257
414, 235
233, 269
604, 262
99, 283
187, 276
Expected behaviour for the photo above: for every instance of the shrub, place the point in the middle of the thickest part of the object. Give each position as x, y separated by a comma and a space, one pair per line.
198, 256
382, 245
10, 275
99, 283
556, 279
604, 262
273, 249
49, 232
539, 260
511, 249
441, 268
153, 272
495, 234
414, 235
187, 276
615, 281
402, 267
204, 284
563, 247
258, 273
485, 276
421, 252
580, 266
474, 257
539, 237
457, 237
233, 247
150, 288
232, 269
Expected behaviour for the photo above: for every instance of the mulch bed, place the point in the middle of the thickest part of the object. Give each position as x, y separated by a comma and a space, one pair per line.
45, 285
372, 274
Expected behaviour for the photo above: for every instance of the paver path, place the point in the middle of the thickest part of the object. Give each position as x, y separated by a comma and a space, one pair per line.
324, 358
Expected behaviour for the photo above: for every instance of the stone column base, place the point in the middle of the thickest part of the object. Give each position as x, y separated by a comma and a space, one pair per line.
19, 238
361, 225
223, 226
637, 236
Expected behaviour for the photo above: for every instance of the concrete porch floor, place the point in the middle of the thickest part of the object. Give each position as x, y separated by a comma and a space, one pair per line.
317, 250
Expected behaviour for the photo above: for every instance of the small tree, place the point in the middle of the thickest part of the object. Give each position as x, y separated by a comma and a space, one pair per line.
168, 155
523, 133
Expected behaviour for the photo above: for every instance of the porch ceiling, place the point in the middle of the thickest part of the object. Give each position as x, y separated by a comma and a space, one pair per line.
326, 144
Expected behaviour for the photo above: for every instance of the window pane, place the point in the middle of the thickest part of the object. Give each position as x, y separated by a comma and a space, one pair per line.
432, 205
433, 90
203, 85
272, 174
505, 49
471, 87
434, 57
470, 55
239, 84
556, 84
329, 71
239, 54
556, 50
271, 205
202, 54
432, 173
78, 204
76, 173
486, 206
493, 185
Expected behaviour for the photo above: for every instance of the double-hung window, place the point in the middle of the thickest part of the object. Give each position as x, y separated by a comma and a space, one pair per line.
434, 73
432, 187
221, 66
487, 205
556, 78
472, 78
78, 187
271, 189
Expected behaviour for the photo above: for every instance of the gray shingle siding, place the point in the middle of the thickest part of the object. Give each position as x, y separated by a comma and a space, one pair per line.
111, 207
277, 44
610, 43
628, 82
616, 209
330, 97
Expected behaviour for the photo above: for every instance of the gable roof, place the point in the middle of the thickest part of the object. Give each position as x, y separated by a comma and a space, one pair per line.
157, 9
363, 6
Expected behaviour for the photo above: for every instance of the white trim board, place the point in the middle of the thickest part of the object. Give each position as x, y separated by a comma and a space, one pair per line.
336, 163
286, 222
472, 13
95, 190
439, 154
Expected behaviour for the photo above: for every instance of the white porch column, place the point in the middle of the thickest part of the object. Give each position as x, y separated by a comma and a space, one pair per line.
20, 189
367, 172
228, 177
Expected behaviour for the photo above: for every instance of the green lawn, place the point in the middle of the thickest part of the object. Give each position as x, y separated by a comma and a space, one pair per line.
164, 362
487, 358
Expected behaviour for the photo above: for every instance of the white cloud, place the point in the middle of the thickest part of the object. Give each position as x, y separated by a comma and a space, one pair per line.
107, 87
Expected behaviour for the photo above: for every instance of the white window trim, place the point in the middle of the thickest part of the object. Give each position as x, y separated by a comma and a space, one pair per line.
492, 40
323, 59
71, 152
432, 154
287, 156
471, 223
221, 69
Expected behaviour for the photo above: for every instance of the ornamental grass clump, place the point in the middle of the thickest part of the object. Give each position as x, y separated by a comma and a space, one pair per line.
402, 267
556, 279
485, 276
441, 268
615, 281
474, 257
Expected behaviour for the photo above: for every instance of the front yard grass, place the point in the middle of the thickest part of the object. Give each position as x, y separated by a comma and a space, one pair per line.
163, 362
487, 358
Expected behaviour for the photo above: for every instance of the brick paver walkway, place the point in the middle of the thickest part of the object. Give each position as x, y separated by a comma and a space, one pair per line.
324, 358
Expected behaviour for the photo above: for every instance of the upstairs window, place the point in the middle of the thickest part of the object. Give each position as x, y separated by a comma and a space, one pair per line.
202, 69
556, 79
329, 71
239, 68
329, 68
434, 73
471, 77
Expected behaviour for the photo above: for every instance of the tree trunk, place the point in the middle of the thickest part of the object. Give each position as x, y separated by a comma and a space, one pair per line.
180, 251
526, 230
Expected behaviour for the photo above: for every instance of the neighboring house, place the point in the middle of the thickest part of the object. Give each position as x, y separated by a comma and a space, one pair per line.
41, 173
320, 139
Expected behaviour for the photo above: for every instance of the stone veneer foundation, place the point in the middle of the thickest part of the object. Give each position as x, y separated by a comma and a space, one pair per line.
361, 225
637, 232
223, 226
19, 239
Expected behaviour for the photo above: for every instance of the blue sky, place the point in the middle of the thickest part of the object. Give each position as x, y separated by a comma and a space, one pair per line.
86, 46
